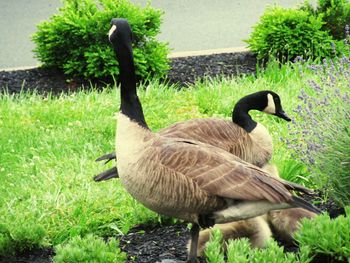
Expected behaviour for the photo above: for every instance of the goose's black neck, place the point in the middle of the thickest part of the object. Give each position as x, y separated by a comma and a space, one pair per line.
240, 114
130, 103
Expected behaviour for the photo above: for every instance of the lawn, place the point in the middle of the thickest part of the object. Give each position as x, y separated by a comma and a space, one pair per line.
48, 146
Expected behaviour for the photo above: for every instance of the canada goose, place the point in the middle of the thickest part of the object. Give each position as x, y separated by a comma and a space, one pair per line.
242, 137
257, 230
187, 179
285, 222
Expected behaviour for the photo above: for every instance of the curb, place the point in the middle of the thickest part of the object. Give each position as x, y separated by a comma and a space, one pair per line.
207, 52
19, 68
180, 54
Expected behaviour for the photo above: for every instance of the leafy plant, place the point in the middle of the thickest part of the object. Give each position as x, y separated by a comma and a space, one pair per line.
214, 248
335, 14
321, 137
288, 33
294, 171
89, 249
21, 236
240, 251
75, 40
322, 235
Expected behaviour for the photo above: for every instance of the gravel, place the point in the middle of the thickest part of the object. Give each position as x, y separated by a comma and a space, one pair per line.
144, 243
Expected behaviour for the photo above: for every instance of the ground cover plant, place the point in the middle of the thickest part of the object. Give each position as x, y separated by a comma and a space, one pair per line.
321, 236
240, 251
48, 146
334, 240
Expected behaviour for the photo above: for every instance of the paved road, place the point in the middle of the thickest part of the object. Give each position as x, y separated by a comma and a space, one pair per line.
188, 25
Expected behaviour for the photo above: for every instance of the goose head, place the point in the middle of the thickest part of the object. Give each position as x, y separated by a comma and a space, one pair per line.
120, 31
266, 101
272, 105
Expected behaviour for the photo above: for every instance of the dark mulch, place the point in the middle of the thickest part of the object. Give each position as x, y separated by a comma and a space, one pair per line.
143, 243
33, 256
155, 243
183, 71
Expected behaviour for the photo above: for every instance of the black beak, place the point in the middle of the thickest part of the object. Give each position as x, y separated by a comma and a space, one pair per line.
283, 115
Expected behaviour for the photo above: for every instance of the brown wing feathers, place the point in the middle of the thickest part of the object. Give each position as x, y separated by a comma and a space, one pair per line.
222, 174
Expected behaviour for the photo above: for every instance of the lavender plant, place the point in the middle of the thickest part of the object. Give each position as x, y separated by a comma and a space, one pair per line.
321, 136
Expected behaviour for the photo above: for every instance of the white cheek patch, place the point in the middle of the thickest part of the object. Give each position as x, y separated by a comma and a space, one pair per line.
111, 31
270, 108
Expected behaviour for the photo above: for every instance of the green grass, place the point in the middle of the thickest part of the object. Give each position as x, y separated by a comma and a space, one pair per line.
48, 147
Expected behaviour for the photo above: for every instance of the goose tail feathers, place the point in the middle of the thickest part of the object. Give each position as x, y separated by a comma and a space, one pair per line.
299, 202
106, 175
108, 157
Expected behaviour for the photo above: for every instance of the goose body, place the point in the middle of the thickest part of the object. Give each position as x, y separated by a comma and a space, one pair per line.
255, 147
190, 175
242, 136
258, 229
183, 178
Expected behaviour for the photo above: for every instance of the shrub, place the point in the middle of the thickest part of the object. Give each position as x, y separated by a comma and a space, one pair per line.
89, 249
288, 33
321, 136
326, 236
75, 40
335, 14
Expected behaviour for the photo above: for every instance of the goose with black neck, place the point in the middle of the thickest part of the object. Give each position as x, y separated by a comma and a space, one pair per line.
243, 137
187, 179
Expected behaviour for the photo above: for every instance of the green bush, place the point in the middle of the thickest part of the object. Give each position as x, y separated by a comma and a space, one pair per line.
335, 14
326, 236
89, 249
75, 40
288, 33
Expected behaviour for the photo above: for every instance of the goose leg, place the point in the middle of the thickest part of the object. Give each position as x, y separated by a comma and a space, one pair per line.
192, 256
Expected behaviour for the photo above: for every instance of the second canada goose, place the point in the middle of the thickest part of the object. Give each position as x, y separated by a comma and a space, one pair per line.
187, 179
283, 222
242, 136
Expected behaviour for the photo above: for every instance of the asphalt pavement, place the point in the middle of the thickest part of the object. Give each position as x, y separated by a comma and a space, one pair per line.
188, 25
